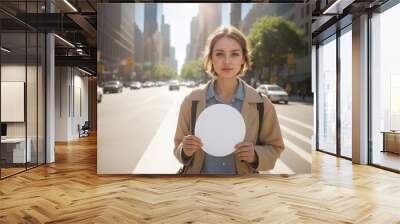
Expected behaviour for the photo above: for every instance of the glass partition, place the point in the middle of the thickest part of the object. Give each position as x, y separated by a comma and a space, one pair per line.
22, 90
31, 100
327, 95
346, 92
14, 153
385, 89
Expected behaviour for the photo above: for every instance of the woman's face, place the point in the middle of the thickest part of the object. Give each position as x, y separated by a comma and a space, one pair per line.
227, 57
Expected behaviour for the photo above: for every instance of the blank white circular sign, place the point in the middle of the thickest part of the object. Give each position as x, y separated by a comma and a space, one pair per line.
220, 127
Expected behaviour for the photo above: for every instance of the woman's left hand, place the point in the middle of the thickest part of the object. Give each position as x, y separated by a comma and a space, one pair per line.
245, 151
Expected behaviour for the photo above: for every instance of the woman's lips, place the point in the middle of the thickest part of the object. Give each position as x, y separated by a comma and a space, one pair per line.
227, 69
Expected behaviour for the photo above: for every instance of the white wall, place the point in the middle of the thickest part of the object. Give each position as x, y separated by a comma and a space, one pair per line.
33, 127
12, 73
80, 83
69, 85
62, 81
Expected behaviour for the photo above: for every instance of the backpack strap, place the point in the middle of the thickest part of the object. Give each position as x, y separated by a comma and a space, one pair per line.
260, 108
193, 116
193, 113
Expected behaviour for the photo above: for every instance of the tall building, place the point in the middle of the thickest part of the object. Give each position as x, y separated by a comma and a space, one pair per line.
174, 62
208, 19
139, 33
236, 14
190, 48
296, 75
150, 21
139, 45
116, 25
152, 32
255, 12
166, 40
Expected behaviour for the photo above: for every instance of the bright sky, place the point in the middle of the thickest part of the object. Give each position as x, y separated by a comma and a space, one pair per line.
179, 16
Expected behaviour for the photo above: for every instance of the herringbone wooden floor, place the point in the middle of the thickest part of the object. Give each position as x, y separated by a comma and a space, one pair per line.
70, 191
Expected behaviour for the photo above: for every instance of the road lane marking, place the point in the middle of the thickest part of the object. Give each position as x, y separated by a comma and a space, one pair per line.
158, 158
301, 137
280, 168
307, 126
299, 151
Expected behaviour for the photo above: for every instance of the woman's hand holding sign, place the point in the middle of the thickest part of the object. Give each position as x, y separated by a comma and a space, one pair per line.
245, 151
191, 144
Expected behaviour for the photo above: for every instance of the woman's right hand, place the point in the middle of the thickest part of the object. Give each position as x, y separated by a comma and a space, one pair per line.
191, 144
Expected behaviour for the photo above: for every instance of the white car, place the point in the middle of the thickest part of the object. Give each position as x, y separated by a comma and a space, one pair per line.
147, 84
274, 92
135, 85
174, 85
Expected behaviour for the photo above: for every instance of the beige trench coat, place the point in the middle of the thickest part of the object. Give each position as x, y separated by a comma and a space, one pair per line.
270, 137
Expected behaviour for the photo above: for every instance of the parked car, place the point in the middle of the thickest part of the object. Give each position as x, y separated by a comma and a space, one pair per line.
274, 92
126, 84
159, 83
135, 85
174, 85
112, 87
190, 84
99, 94
182, 83
147, 84
107, 76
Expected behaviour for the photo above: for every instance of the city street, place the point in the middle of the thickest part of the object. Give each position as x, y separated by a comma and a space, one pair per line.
136, 130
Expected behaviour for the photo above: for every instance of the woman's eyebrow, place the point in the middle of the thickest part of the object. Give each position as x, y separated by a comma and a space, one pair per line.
224, 50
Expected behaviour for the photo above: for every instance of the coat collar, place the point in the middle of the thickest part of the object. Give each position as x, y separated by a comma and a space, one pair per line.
250, 94
239, 92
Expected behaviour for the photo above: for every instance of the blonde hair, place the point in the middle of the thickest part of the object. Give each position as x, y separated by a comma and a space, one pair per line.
230, 32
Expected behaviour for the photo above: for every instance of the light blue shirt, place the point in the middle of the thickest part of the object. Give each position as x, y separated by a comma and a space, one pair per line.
222, 165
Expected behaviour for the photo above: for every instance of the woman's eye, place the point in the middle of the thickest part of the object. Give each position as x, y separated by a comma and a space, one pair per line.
235, 54
219, 54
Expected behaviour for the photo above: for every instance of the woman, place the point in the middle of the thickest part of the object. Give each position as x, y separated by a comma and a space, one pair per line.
226, 58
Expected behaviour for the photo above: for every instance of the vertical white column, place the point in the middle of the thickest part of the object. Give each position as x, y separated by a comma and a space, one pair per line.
314, 91
50, 93
360, 90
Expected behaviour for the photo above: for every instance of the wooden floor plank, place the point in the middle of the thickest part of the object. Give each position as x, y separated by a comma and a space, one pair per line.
70, 191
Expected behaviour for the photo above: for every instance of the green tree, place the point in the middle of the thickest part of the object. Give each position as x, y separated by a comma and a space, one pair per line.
192, 70
145, 71
163, 72
271, 40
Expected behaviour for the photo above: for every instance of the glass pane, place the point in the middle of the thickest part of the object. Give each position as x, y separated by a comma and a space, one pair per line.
327, 96
13, 87
31, 100
41, 99
386, 89
346, 94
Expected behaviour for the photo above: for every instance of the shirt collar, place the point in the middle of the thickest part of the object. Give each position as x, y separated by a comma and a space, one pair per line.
239, 94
